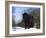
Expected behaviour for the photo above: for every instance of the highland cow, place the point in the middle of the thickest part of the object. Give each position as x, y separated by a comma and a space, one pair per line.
29, 20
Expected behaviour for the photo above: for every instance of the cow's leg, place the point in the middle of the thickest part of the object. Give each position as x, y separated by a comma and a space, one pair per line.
25, 25
28, 25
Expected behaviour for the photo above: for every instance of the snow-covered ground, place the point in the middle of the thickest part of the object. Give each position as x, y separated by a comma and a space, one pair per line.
20, 30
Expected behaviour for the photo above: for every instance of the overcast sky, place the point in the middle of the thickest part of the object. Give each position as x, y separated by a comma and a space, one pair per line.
18, 11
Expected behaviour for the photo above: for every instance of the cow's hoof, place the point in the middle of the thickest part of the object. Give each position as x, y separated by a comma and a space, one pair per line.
25, 28
28, 28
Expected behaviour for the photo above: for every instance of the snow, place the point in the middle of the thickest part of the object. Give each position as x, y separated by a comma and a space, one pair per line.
19, 30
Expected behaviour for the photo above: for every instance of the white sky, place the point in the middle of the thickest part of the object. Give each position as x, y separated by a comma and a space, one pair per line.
18, 11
